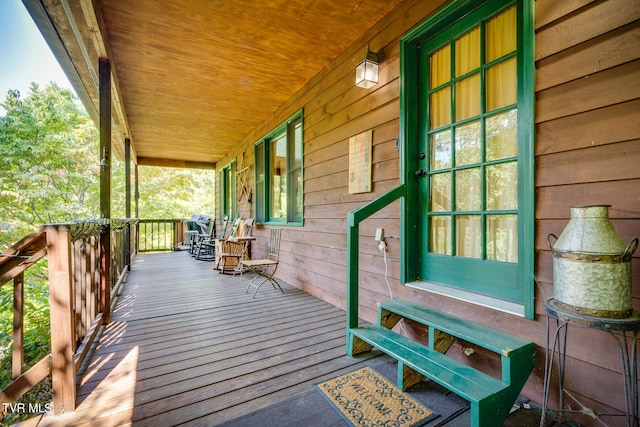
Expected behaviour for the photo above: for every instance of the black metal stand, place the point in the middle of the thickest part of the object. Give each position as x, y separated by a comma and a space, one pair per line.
618, 328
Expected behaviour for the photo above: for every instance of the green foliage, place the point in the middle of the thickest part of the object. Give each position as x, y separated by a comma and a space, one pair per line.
184, 192
49, 167
48, 160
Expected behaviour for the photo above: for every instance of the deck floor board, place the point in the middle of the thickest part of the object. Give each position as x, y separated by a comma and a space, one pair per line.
187, 346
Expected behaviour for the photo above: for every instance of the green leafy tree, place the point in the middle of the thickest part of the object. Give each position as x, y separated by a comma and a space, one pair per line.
184, 192
48, 159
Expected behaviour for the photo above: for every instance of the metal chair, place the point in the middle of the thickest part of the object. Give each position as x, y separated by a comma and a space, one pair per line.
265, 268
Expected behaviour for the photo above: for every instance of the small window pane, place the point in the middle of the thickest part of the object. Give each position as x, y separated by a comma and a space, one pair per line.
468, 144
502, 85
469, 236
468, 52
440, 66
279, 177
502, 135
296, 161
228, 192
441, 150
441, 108
468, 190
296, 179
501, 34
468, 97
440, 240
502, 186
502, 238
259, 184
441, 192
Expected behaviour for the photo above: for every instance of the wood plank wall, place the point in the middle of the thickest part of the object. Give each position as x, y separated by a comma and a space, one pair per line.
587, 152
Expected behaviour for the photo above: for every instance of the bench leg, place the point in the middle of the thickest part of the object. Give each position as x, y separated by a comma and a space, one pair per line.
407, 377
388, 319
492, 411
356, 346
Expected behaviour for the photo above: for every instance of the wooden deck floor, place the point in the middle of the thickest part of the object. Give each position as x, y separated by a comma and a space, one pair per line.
187, 346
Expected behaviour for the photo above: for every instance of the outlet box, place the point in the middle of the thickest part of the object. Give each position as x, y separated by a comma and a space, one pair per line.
379, 234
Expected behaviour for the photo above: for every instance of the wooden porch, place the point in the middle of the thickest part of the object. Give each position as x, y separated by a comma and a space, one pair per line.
186, 345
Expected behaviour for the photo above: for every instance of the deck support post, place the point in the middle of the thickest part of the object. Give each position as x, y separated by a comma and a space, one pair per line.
104, 70
127, 201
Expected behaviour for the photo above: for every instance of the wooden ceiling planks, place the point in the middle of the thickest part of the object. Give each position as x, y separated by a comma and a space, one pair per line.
197, 76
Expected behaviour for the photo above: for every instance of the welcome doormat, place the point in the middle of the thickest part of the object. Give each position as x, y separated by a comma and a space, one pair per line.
365, 398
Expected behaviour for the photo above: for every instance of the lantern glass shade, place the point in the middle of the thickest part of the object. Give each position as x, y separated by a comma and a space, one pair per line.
367, 74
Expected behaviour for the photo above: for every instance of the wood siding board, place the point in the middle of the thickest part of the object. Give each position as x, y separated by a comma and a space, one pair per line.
616, 162
589, 22
346, 108
548, 11
610, 124
340, 195
606, 51
620, 195
596, 91
359, 124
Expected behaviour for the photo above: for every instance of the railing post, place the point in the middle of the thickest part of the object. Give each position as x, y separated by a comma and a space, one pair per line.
127, 203
178, 235
353, 252
63, 378
17, 357
105, 275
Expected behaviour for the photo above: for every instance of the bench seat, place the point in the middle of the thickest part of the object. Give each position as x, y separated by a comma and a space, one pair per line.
490, 398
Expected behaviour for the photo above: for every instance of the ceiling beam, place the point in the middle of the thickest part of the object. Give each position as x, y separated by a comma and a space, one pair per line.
168, 163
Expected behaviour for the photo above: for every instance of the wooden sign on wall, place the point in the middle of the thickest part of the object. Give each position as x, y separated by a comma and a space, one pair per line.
360, 163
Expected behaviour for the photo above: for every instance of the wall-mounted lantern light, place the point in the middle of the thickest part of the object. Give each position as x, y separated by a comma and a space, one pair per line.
367, 70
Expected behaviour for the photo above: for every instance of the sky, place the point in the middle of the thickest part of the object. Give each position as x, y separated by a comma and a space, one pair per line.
24, 55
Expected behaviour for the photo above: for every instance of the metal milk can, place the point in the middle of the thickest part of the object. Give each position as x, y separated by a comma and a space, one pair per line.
592, 265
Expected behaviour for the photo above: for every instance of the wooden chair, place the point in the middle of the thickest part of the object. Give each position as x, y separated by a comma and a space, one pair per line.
231, 250
265, 268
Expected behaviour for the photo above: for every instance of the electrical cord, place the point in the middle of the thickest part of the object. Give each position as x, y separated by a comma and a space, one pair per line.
383, 247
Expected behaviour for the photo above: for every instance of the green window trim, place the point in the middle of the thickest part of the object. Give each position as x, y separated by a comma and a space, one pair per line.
279, 176
413, 255
227, 180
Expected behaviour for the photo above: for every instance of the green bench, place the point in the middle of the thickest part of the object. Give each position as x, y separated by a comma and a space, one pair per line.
491, 399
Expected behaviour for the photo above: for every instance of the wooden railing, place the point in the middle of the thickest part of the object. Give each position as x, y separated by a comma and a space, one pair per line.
157, 235
87, 262
14, 262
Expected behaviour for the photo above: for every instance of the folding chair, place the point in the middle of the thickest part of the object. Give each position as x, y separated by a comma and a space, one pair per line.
265, 268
